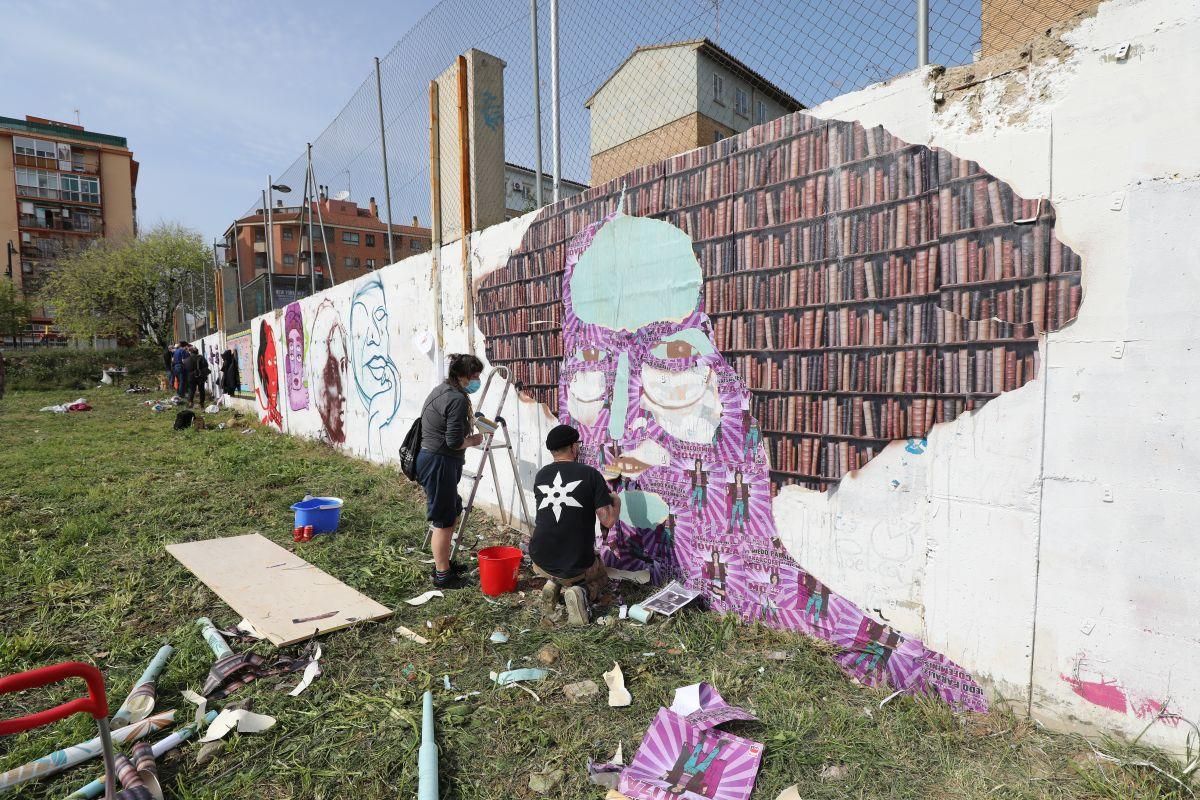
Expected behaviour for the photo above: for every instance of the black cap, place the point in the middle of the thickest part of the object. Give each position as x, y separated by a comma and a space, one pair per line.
561, 436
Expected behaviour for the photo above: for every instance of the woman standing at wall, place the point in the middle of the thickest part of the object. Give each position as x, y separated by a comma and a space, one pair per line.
445, 435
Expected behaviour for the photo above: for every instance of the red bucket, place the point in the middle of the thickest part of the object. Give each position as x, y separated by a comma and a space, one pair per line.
498, 568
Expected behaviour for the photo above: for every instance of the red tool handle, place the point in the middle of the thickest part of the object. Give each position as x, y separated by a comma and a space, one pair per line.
96, 703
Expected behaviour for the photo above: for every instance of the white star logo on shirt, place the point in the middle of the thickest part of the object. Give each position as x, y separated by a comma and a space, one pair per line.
557, 496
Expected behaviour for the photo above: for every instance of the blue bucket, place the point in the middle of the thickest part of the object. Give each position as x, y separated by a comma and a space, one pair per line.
323, 513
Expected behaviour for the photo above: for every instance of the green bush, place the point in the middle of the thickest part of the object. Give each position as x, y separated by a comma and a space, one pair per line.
63, 368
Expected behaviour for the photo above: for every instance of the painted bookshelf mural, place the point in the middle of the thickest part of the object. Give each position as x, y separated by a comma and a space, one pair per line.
863, 288
771, 310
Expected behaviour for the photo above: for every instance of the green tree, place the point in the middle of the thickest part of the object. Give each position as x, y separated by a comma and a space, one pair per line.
14, 311
128, 289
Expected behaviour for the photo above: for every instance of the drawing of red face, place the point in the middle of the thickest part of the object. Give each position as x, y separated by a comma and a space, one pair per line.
268, 375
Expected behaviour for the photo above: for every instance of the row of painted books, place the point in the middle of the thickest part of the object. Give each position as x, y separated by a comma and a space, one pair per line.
914, 325
851, 417
529, 320
535, 291
964, 370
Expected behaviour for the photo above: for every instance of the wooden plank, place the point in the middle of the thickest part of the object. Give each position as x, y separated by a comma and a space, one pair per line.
285, 597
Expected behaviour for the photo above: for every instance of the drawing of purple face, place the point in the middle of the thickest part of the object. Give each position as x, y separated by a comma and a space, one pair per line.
661, 411
293, 331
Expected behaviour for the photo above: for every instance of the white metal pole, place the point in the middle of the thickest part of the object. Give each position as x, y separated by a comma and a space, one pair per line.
321, 223
922, 32
268, 198
308, 201
554, 104
387, 187
537, 104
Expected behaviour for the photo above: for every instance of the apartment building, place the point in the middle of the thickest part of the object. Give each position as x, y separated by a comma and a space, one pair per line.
356, 239
666, 99
520, 190
61, 188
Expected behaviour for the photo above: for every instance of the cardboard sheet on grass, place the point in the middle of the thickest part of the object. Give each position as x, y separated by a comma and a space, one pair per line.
284, 596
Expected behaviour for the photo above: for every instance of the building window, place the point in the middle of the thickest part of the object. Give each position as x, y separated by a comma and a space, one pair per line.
370, 261
24, 146
287, 234
717, 136
258, 235
370, 242
413, 244
718, 89
351, 261
760, 113
741, 102
289, 260
260, 261
349, 237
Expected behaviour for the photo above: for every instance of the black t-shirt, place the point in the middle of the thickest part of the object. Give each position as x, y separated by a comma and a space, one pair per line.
564, 532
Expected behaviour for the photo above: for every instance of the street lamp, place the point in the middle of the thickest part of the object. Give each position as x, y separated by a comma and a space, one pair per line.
11, 250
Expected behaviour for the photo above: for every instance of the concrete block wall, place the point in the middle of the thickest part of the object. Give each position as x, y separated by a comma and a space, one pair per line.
1042, 542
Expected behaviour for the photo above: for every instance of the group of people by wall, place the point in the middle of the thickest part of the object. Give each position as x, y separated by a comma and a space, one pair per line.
188, 372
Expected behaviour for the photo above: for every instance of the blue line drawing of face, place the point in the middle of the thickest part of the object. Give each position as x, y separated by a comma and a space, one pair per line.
375, 374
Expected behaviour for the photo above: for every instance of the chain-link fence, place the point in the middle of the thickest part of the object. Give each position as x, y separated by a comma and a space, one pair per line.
626, 98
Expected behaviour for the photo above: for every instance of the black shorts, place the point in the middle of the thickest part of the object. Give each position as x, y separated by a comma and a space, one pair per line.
439, 476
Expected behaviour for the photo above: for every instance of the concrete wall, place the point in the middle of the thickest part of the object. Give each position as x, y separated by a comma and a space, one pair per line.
9, 210
116, 194
1011, 23
1042, 542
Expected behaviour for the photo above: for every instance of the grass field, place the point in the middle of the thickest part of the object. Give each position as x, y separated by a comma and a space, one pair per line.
88, 501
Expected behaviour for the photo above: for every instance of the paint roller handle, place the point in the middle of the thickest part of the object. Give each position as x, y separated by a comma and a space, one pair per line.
96, 703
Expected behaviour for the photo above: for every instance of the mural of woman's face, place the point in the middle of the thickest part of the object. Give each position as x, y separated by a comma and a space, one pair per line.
332, 404
268, 367
295, 358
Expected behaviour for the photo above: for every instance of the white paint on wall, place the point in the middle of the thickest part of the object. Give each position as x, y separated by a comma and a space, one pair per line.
1043, 542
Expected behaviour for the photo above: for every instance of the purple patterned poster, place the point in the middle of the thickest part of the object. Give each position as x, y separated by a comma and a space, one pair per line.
681, 760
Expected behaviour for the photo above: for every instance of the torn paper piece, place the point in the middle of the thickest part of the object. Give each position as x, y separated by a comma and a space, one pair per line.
412, 636
618, 695
70, 756
422, 599
201, 704
465, 696
498, 637
241, 719
677, 758
702, 706
247, 627
790, 793
641, 576
510, 676
140, 702
670, 599
310, 674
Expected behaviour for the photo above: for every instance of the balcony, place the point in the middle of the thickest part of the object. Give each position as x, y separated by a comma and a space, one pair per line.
78, 223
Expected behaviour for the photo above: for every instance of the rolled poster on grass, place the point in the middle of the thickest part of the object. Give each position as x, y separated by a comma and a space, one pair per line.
140, 702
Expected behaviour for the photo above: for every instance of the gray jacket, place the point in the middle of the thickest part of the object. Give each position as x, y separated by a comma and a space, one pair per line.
446, 421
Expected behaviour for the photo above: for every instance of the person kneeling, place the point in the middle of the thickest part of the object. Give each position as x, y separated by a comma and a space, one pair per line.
572, 496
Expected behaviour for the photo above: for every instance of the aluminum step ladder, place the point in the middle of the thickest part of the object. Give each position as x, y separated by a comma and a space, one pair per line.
495, 437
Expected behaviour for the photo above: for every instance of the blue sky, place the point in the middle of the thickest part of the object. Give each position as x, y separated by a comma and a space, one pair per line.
211, 95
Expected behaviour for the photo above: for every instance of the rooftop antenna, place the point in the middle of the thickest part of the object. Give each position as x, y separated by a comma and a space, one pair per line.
77, 122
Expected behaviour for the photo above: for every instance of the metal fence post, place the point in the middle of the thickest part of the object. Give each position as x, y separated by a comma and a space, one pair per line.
387, 186
922, 32
554, 106
537, 104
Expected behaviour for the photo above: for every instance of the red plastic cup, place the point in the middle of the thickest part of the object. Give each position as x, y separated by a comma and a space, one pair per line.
498, 569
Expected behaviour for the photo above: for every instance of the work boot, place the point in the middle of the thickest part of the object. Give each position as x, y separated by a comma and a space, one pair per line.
577, 606
549, 596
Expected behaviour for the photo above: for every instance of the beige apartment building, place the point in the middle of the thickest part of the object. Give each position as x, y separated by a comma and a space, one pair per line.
669, 98
1010, 23
61, 188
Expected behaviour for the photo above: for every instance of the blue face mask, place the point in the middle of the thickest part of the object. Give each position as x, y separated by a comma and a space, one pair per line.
473, 386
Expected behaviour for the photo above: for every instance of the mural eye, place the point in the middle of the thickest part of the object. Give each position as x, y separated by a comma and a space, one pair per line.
380, 314
674, 349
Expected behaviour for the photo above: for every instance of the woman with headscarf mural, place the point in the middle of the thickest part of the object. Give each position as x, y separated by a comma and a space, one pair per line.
678, 433
293, 336
376, 377
267, 388
328, 360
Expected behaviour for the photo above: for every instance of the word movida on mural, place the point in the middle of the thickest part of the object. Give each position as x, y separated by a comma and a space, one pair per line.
773, 310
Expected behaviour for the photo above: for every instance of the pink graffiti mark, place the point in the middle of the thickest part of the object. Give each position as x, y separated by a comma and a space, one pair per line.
1104, 693
1153, 708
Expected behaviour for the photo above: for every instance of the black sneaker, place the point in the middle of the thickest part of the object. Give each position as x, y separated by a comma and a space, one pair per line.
451, 581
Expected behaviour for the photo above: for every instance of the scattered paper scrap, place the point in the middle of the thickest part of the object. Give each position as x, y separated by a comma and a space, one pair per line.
201, 704
641, 576
678, 758
790, 793
509, 676
241, 719
670, 599
465, 696
498, 637
703, 707
247, 627
411, 635
310, 673
618, 695
422, 599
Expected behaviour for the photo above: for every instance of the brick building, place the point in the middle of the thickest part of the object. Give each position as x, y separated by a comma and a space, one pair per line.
356, 238
61, 188
1009, 23
669, 98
